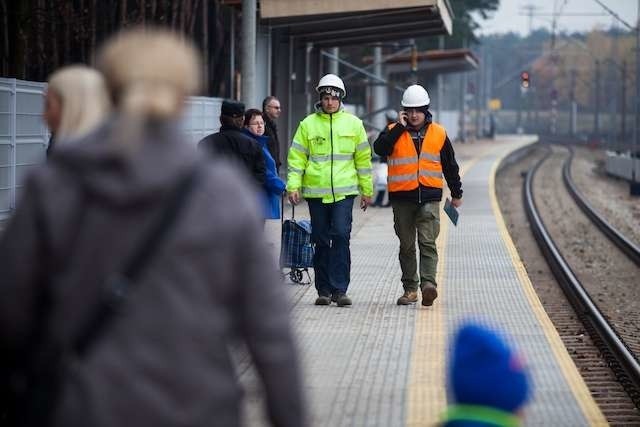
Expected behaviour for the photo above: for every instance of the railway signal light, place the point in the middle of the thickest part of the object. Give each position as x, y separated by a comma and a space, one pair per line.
524, 79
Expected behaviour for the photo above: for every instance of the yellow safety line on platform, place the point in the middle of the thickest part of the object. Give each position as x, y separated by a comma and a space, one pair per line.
427, 398
589, 407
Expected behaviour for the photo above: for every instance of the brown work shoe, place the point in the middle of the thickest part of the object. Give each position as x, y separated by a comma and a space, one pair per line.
429, 294
409, 297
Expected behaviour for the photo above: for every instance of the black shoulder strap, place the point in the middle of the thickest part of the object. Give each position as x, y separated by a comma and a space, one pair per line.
119, 285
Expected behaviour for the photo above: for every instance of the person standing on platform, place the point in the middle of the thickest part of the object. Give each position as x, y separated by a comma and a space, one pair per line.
232, 144
329, 164
419, 154
274, 186
487, 381
271, 111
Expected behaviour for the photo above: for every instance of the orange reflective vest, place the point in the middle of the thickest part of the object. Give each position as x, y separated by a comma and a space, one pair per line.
407, 169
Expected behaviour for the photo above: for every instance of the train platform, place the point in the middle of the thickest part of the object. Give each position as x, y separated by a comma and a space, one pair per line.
380, 364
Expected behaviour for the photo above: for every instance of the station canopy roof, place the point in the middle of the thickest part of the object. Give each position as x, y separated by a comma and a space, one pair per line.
331, 23
434, 61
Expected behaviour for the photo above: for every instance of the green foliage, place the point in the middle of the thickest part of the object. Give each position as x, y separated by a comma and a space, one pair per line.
464, 23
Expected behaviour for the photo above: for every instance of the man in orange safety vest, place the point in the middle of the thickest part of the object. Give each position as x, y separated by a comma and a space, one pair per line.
420, 157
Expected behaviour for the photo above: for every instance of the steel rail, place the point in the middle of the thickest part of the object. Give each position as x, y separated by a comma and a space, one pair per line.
627, 246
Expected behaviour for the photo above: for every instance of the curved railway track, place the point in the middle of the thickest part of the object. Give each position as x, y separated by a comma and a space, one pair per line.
606, 361
622, 361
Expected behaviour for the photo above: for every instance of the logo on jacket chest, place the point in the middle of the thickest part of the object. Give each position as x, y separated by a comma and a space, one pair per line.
317, 140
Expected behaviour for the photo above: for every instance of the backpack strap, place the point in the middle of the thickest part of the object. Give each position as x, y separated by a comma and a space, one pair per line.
118, 286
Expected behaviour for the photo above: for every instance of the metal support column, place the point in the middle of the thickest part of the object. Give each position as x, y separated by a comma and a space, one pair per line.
379, 90
333, 66
248, 82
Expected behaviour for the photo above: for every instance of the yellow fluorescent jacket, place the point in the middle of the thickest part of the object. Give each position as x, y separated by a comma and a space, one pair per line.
407, 169
330, 158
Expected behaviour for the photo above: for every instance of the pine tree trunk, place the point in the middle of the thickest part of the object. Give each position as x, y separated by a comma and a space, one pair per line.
67, 33
39, 36
143, 11
81, 31
4, 69
92, 32
55, 54
192, 16
205, 47
123, 13
174, 14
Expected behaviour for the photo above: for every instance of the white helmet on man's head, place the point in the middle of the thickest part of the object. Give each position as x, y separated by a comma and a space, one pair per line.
415, 96
331, 84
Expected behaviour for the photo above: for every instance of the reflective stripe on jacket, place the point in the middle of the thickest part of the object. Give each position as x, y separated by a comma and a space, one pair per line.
407, 169
330, 158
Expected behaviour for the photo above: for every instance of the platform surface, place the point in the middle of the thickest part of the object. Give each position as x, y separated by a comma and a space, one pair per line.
380, 364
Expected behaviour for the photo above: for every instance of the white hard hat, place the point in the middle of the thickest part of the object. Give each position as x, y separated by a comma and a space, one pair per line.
415, 96
332, 81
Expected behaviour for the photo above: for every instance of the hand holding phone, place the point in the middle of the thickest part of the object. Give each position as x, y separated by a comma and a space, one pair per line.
402, 117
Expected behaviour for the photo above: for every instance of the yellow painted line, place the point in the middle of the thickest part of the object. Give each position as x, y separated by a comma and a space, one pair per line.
427, 398
580, 390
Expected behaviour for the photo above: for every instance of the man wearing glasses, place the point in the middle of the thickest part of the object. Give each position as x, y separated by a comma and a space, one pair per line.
271, 109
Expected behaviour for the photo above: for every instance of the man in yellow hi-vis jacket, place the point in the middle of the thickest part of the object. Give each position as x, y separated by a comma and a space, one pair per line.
329, 164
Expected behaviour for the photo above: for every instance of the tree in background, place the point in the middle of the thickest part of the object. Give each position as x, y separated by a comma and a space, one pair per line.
38, 36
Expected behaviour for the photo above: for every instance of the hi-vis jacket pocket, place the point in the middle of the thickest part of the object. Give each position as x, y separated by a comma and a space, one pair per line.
319, 145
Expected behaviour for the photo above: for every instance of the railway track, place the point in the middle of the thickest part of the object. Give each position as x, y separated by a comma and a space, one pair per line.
605, 353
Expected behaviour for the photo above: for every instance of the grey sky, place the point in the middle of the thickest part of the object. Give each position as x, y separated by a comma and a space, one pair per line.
510, 16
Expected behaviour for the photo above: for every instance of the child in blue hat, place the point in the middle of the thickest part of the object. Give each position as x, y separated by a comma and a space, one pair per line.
487, 381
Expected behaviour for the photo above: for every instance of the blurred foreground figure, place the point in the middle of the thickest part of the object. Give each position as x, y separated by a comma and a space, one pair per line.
487, 381
75, 104
161, 357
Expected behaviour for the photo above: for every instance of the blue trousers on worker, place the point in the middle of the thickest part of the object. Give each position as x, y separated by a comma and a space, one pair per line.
331, 233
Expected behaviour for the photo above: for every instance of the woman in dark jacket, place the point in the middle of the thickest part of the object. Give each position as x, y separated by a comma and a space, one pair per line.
163, 358
274, 186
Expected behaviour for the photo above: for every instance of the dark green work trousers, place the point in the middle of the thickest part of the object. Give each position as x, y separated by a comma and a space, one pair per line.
411, 219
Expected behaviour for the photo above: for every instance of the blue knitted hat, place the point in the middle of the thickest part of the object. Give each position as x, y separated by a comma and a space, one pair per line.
484, 371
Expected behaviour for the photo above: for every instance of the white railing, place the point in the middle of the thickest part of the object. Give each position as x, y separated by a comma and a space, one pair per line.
23, 137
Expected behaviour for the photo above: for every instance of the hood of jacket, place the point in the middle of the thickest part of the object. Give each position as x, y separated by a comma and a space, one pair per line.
318, 109
122, 173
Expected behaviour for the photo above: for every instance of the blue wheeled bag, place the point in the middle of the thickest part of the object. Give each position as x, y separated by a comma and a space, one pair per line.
296, 250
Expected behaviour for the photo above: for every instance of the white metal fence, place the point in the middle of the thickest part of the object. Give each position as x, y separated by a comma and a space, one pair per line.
24, 135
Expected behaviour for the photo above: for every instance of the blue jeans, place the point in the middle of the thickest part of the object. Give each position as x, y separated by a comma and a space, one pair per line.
331, 232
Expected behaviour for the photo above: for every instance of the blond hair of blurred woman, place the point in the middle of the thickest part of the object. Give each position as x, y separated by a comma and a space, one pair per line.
164, 357
76, 101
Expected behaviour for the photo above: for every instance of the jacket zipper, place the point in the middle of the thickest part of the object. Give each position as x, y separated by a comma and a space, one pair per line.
333, 194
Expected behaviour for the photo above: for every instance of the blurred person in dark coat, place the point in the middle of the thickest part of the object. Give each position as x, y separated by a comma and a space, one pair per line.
164, 359
231, 143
